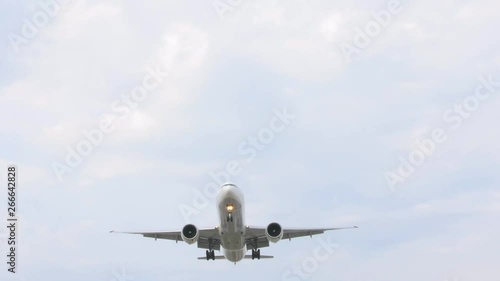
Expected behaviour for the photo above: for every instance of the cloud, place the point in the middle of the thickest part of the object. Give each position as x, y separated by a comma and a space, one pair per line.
225, 77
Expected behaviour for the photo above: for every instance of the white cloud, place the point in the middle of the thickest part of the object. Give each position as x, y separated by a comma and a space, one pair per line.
109, 166
350, 121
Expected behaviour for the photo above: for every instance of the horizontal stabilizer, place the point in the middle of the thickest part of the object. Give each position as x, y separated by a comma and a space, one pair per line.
261, 256
246, 257
216, 257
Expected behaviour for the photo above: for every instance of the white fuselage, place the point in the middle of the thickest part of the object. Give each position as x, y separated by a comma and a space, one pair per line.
230, 204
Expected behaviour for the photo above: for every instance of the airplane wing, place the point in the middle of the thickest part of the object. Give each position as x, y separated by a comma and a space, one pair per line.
256, 236
207, 236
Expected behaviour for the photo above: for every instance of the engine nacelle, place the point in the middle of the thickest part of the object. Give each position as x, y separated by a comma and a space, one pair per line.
190, 234
274, 232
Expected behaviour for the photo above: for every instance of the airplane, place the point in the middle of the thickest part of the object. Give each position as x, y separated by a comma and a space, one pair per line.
232, 235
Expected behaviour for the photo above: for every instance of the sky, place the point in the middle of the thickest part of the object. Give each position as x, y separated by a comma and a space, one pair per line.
128, 115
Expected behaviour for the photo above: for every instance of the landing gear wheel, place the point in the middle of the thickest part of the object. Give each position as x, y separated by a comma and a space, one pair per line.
210, 255
229, 217
256, 254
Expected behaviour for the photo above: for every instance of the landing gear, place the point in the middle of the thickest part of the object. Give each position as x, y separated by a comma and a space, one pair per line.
230, 208
255, 254
210, 255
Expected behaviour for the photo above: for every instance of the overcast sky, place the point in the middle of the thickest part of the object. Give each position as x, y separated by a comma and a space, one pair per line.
381, 114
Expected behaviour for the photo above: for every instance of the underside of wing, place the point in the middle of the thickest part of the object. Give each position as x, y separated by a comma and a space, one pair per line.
169, 235
259, 237
289, 233
208, 238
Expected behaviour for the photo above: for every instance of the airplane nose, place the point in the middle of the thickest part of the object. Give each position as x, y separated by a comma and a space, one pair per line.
228, 184
230, 190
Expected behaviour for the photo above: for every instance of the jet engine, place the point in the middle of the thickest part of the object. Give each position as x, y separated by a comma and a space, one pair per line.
274, 232
190, 234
